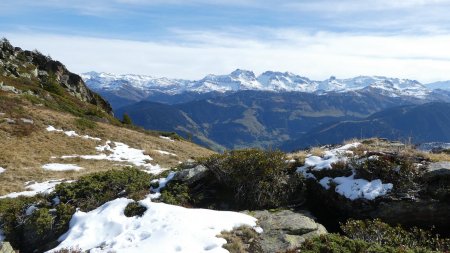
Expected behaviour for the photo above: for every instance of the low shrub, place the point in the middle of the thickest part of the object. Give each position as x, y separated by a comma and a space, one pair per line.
134, 209
376, 231
334, 243
38, 230
83, 124
93, 190
396, 169
255, 178
176, 194
241, 240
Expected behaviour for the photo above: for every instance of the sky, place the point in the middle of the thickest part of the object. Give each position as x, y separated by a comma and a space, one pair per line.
192, 38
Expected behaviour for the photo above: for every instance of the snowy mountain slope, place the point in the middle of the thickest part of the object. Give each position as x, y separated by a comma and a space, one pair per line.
246, 80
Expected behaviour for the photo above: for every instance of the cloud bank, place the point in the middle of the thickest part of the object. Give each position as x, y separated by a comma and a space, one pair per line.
195, 53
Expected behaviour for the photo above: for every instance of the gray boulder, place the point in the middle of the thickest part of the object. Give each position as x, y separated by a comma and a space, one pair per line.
192, 175
285, 229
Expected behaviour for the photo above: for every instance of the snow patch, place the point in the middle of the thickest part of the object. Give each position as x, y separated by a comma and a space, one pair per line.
61, 167
348, 187
162, 228
166, 138
2, 170
120, 152
162, 152
35, 188
162, 182
71, 133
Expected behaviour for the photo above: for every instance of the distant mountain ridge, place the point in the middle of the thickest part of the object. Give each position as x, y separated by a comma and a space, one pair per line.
239, 80
428, 122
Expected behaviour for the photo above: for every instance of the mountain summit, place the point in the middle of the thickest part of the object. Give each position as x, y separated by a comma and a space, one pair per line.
247, 80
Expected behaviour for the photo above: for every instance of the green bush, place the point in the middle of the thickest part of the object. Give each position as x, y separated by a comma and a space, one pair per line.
395, 169
134, 209
127, 120
175, 194
93, 190
334, 243
256, 178
52, 86
376, 231
37, 231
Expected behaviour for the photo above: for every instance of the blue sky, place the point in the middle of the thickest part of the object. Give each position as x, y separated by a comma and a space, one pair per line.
192, 38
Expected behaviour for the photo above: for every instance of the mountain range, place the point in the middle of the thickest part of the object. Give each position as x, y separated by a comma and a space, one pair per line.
126, 89
274, 109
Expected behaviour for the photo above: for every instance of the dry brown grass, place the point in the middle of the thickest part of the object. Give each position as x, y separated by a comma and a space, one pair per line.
317, 151
23, 157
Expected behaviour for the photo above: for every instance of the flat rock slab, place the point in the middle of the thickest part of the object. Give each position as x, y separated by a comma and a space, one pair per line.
438, 170
285, 229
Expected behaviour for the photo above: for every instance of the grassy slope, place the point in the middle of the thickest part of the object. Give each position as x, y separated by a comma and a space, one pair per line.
25, 148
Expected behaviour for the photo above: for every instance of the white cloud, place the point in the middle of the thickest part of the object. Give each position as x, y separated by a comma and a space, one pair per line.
319, 55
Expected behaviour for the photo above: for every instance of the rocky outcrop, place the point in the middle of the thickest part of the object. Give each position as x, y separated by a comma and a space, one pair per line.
285, 229
18, 63
420, 197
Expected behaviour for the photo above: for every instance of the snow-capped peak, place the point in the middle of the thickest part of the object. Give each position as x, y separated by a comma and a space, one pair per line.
241, 79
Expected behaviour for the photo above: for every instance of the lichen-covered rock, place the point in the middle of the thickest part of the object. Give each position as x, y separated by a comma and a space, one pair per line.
285, 229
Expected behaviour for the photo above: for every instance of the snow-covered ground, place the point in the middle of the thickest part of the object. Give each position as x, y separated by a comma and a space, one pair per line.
111, 151
61, 167
162, 228
349, 187
34, 189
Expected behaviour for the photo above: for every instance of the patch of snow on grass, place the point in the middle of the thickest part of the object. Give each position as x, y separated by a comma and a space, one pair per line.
35, 188
162, 152
71, 133
61, 167
166, 138
162, 228
2, 170
120, 152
